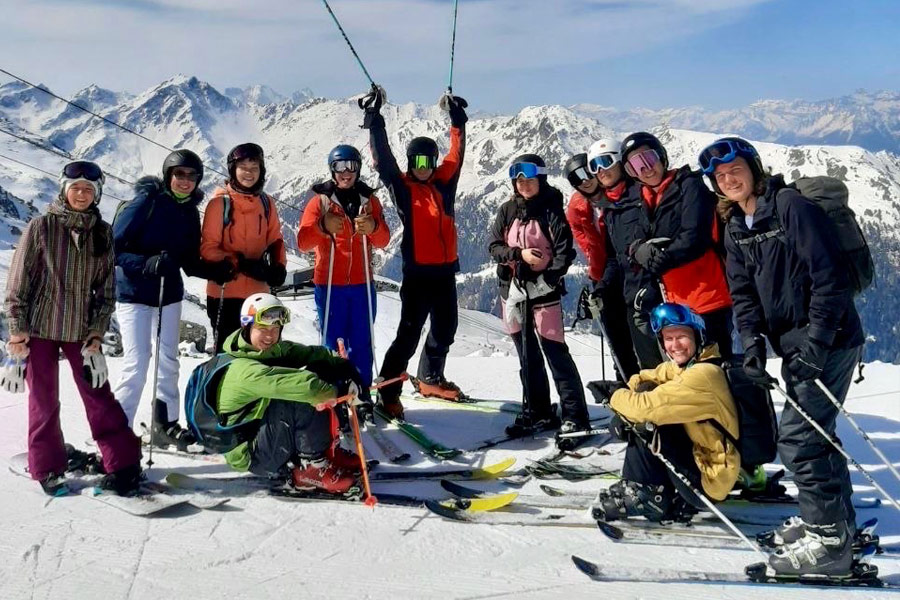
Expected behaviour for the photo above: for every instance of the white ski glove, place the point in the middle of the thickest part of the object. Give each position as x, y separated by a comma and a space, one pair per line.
515, 303
95, 370
12, 375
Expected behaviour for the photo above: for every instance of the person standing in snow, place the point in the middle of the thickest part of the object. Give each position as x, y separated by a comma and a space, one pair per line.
269, 392
59, 298
794, 290
586, 216
241, 227
155, 236
532, 244
343, 222
695, 419
425, 197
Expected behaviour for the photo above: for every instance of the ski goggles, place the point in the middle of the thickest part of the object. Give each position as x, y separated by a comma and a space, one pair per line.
268, 317
83, 169
637, 163
422, 161
527, 170
722, 152
345, 166
579, 176
670, 314
186, 174
602, 163
245, 151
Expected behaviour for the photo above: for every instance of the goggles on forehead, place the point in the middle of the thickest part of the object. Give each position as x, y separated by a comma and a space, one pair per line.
527, 170
268, 317
671, 314
602, 163
422, 161
83, 169
344, 166
244, 151
723, 152
637, 163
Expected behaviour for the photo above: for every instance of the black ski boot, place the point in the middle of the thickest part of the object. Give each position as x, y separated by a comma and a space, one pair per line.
526, 425
54, 484
626, 499
79, 461
165, 433
823, 550
567, 444
124, 482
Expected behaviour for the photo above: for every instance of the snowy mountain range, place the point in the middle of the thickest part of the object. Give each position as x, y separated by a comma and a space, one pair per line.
298, 132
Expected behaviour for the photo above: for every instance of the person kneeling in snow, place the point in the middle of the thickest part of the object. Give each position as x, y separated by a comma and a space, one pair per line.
680, 410
273, 386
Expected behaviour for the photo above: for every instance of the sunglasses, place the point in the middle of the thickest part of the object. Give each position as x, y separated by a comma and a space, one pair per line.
269, 317
527, 170
186, 175
602, 163
83, 169
720, 153
423, 161
345, 166
641, 161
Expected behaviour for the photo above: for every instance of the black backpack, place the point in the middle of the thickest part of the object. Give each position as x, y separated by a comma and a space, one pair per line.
833, 197
201, 409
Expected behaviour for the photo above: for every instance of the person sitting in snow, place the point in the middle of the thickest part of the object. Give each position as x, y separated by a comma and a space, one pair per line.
272, 387
60, 296
682, 410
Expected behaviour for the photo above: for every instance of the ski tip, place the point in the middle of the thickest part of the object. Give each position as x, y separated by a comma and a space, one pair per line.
585, 566
445, 512
610, 530
494, 470
552, 491
461, 490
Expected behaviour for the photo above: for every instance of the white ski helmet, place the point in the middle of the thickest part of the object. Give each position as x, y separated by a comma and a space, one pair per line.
265, 309
603, 154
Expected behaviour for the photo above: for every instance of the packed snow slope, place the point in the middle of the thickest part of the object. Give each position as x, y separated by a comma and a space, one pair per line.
260, 547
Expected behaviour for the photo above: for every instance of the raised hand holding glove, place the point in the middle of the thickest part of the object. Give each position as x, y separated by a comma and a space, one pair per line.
12, 374
809, 362
95, 370
374, 99
456, 106
161, 265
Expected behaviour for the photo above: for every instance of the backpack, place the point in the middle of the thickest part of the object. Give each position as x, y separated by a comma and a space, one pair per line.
201, 408
832, 196
757, 425
227, 209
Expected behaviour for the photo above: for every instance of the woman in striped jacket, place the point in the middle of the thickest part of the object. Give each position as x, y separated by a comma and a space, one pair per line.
60, 297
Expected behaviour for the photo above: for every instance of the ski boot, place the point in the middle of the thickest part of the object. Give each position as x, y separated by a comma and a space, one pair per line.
343, 459
124, 482
569, 444
626, 499
823, 550
787, 533
78, 461
165, 433
526, 425
439, 389
390, 403
318, 474
54, 484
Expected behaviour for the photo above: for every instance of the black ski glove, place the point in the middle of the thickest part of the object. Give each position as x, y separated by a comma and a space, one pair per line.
276, 275
755, 363
161, 265
809, 362
456, 106
253, 268
603, 390
371, 103
646, 254
221, 271
275, 271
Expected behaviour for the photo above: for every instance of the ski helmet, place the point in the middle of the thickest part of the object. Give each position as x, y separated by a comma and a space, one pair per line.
344, 158
725, 150
576, 170
181, 158
603, 154
670, 314
264, 309
642, 138
519, 167
247, 151
421, 153
82, 170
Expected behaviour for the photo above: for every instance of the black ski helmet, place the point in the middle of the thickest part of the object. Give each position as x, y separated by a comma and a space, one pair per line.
574, 165
748, 152
533, 159
181, 158
642, 138
243, 152
421, 146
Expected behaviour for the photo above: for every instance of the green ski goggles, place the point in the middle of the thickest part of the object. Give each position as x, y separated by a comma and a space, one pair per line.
422, 161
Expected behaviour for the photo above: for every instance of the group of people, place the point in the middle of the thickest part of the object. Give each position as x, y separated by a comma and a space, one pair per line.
669, 277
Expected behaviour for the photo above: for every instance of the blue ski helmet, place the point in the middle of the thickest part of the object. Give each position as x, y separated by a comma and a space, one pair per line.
343, 152
670, 314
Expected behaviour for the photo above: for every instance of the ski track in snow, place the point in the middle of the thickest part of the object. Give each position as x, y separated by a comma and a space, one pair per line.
261, 547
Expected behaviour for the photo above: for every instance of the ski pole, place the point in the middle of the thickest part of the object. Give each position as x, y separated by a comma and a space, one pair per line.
218, 324
346, 39
612, 352
836, 445
159, 317
328, 293
369, 284
859, 429
699, 493
452, 48
360, 451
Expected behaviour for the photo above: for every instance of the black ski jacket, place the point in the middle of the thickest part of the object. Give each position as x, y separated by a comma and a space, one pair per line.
792, 285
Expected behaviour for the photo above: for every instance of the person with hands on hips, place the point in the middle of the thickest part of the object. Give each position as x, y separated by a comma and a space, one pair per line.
59, 298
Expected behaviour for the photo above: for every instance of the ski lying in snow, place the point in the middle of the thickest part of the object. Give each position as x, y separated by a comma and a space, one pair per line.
510, 518
863, 575
495, 471
147, 502
502, 439
251, 484
429, 446
466, 401
388, 448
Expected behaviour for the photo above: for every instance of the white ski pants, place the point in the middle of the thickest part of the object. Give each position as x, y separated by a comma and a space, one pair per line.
137, 324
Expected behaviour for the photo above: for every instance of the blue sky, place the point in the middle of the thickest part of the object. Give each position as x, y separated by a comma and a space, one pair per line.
510, 53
